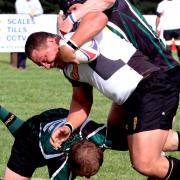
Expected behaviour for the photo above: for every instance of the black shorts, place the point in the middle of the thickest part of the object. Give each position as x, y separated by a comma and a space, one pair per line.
169, 34
174, 75
152, 105
25, 154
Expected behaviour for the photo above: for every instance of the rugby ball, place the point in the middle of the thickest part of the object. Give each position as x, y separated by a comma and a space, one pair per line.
87, 52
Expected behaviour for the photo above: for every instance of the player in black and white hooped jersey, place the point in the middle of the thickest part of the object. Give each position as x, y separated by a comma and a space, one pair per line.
123, 74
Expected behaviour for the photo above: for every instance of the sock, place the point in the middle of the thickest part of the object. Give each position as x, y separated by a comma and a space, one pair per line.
178, 133
174, 169
12, 122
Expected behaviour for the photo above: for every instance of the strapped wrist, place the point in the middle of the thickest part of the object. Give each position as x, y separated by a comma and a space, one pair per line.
68, 43
69, 125
72, 45
72, 18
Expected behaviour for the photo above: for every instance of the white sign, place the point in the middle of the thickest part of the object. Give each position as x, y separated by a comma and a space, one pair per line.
15, 29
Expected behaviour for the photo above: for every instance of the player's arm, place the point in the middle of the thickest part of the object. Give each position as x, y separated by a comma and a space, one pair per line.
158, 30
90, 25
92, 20
159, 13
80, 107
81, 103
90, 6
80, 10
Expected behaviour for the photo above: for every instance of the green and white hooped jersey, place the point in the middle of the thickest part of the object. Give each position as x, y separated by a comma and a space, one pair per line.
97, 134
89, 130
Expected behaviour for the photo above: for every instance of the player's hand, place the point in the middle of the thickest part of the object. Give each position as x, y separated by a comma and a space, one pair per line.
64, 25
67, 54
59, 136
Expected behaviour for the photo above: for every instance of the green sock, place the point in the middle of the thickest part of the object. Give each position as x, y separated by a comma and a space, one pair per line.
12, 122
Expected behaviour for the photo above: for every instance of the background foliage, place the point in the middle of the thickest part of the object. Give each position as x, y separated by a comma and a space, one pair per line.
51, 6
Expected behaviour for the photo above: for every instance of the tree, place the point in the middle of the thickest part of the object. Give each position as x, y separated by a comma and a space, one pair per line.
51, 6
146, 6
7, 6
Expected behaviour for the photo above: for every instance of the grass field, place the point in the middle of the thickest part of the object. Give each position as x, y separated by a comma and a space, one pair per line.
31, 91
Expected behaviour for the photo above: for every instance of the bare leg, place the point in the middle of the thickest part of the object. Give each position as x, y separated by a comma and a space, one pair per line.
10, 175
145, 152
115, 121
172, 141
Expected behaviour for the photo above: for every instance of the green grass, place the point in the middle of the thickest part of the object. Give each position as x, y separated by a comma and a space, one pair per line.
31, 91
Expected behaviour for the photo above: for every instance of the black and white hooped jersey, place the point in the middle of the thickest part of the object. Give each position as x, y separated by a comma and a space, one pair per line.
118, 69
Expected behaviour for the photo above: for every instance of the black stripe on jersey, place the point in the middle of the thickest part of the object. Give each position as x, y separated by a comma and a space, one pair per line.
90, 127
141, 64
105, 67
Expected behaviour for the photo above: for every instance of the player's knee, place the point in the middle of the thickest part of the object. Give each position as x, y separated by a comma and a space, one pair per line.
172, 142
144, 166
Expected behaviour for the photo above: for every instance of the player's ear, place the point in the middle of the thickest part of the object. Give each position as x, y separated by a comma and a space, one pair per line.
50, 41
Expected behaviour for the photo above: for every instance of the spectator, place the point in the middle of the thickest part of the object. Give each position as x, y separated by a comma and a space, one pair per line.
32, 8
167, 22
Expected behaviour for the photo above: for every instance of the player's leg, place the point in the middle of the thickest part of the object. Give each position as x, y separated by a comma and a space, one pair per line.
25, 154
11, 175
116, 129
116, 116
23, 159
12, 122
145, 152
172, 142
154, 104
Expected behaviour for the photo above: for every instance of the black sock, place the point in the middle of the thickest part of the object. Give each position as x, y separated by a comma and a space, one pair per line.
12, 122
174, 169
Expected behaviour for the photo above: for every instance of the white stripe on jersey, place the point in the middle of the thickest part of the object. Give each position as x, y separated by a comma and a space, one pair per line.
114, 26
114, 47
59, 169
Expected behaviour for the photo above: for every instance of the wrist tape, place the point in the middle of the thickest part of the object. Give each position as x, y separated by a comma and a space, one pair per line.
72, 17
69, 125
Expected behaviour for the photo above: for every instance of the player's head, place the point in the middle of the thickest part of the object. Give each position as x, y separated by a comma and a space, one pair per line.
86, 158
43, 49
